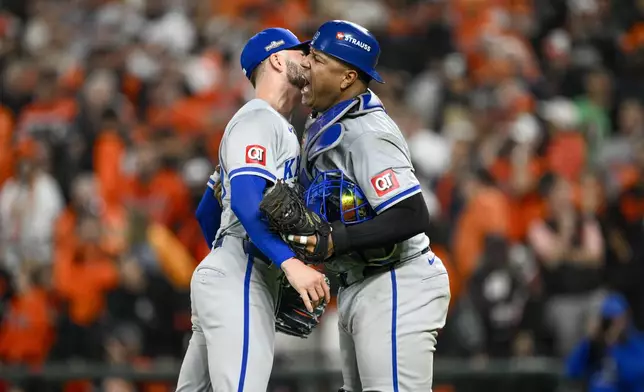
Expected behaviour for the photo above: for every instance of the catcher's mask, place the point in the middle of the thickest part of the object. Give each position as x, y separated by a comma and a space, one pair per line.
334, 197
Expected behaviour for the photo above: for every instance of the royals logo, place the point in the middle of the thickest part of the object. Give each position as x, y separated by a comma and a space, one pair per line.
256, 154
384, 182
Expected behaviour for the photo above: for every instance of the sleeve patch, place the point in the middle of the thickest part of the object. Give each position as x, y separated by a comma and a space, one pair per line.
384, 182
256, 154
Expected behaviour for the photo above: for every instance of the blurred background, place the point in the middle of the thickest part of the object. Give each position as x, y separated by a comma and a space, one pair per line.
526, 125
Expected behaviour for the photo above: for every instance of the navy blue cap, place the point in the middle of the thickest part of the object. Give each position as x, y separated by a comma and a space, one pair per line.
265, 43
614, 306
350, 43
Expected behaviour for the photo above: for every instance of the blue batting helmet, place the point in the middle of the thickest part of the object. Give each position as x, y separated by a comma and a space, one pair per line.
350, 43
334, 197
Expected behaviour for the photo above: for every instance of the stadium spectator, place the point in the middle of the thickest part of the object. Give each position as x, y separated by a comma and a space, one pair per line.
30, 203
570, 249
500, 297
27, 331
609, 359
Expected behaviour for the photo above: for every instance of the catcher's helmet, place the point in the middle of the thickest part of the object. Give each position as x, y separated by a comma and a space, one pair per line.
350, 43
334, 197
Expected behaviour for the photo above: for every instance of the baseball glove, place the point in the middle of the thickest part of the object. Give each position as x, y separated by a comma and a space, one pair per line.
291, 316
216, 186
284, 208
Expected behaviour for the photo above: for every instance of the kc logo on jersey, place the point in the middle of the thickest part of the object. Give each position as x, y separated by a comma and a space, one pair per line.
256, 154
384, 182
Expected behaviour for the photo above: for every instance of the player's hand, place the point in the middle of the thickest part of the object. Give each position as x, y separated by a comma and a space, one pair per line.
310, 242
308, 282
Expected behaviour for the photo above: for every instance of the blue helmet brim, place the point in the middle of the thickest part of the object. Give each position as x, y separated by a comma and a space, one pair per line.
372, 73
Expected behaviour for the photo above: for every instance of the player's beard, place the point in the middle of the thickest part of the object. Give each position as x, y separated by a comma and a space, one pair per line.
295, 74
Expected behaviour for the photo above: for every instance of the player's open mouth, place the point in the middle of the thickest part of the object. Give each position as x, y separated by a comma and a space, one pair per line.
306, 85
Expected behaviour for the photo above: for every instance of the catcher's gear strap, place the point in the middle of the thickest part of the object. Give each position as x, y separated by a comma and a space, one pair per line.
400, 222
362, 104
355, 275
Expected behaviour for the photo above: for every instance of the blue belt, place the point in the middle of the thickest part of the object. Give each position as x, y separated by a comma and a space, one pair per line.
249, 249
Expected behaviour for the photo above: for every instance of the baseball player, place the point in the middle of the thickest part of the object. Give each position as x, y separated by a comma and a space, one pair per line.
394, 291
233, 289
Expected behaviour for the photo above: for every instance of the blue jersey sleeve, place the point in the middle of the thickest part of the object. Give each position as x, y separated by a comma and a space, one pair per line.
246, 192
208, 215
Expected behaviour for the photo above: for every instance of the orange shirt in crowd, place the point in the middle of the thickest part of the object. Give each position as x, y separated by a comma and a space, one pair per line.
486, 214
82, 273
26, 333
522, 209
232, 8
165, 197
631, 205
58, 113
289, 15
109, 152
566, 155
6, 155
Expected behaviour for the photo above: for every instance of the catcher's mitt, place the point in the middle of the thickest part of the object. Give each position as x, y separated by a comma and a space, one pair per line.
291, 316
284, 208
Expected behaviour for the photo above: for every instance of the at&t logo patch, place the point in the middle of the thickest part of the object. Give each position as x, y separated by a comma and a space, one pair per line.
256, 154
384, 182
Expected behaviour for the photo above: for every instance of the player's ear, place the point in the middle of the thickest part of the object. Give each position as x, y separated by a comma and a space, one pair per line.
350, 77
277, 61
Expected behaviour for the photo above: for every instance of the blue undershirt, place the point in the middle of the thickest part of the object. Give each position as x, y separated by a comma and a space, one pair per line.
208, 215
246, 192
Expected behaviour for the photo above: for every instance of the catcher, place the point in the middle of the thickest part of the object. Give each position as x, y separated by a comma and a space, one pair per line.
359, 178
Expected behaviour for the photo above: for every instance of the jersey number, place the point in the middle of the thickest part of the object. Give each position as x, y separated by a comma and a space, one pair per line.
256, 154
384, 182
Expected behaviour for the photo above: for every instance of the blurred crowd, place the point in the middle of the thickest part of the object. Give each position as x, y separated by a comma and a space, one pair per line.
525, 119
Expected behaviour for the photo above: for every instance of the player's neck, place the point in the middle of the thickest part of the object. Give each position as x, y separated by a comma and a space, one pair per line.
281, 97
349, 93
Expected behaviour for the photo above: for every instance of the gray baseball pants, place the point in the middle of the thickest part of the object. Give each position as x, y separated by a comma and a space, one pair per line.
233, 323
388, 326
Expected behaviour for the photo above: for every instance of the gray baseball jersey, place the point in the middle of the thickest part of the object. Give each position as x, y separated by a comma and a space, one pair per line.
388, 321
257, 141
232, 294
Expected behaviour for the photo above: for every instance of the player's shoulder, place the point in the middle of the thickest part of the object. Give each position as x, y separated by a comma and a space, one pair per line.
258, 111
372, 126
256, 114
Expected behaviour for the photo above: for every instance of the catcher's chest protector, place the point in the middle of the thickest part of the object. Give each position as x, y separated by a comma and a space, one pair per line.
357, 141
